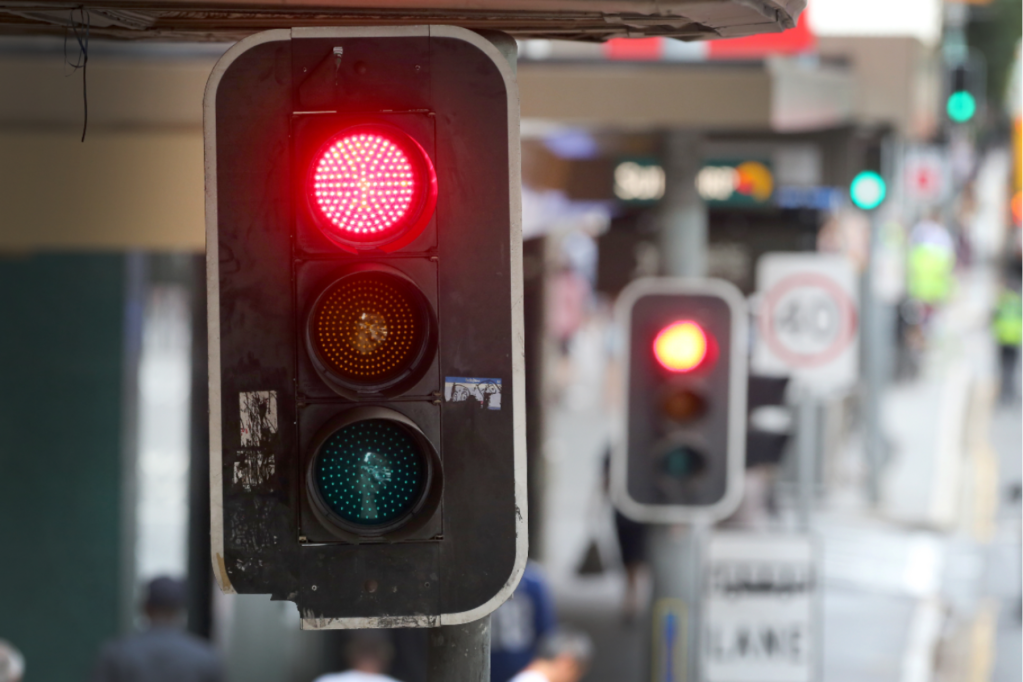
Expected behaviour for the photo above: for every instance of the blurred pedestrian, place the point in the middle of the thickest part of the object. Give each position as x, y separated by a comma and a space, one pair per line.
563, 656
12, 664
631, 537
519, 624
931, 264
164, 652
369, 654
1007, 328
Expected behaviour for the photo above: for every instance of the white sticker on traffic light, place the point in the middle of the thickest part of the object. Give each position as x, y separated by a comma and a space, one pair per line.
463, 389
258, 411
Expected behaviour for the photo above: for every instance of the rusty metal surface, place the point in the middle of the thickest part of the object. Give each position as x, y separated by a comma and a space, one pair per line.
557, 19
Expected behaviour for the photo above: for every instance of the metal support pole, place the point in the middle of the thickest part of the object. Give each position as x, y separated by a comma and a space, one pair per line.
872, 341
807, 458
683, 233
675, 551
675, 562
459, 653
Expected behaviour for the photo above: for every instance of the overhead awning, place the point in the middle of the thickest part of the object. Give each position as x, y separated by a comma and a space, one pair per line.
778, 96
219, 20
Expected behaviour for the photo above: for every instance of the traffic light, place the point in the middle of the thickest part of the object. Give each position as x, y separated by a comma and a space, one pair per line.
365, 324
770, 421
867, 190
681, 455
965, 87
961, 103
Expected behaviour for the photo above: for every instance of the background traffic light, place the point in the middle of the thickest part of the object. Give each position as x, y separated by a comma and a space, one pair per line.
964, 88
682, 452
364, 265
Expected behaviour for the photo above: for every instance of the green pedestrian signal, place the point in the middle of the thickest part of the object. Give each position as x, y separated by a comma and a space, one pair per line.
961, 106
867, 190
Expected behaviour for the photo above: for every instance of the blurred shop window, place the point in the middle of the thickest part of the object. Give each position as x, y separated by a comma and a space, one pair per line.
163, 434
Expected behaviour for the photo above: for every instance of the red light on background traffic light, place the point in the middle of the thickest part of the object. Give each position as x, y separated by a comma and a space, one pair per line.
681, 346
371, 185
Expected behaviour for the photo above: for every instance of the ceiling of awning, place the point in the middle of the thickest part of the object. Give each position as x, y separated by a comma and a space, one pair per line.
219, 20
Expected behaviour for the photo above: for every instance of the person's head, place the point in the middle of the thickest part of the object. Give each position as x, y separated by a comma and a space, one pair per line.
12, 664
369, 651
165, 601
564, 655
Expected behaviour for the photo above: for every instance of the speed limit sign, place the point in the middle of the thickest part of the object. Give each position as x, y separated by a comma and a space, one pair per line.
807, 319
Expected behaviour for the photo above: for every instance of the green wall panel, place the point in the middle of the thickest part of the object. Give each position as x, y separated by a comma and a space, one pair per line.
62, 327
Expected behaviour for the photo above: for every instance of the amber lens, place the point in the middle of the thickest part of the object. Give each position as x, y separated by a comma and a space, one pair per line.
683, 405
370, 329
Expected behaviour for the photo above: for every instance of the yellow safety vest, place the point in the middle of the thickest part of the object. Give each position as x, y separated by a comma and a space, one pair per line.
930, 273
1008, 324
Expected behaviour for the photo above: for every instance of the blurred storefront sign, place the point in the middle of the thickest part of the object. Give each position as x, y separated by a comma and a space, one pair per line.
639, 181
747, 183
816, 197
761, 612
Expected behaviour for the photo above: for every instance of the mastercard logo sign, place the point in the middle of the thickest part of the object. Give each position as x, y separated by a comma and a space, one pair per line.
748, 182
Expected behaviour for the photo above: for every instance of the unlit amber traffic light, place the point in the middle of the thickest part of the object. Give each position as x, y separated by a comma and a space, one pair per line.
370, 330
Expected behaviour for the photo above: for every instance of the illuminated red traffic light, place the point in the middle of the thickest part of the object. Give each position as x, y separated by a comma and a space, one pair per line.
681, 346
372, 186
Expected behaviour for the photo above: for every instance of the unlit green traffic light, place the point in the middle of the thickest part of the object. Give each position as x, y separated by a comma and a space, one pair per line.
867, 190
370, 472
961, 106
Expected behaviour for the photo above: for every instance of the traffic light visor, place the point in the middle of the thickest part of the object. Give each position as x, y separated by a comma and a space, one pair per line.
370, 330
681, 346
370, 185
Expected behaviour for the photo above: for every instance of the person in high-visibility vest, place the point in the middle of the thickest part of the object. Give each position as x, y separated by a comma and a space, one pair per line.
930, 276
1007, 328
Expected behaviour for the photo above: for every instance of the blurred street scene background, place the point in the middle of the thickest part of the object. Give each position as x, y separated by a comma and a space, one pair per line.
640, 157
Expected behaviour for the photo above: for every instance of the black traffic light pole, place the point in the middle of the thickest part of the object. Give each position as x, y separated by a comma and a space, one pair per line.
460, 653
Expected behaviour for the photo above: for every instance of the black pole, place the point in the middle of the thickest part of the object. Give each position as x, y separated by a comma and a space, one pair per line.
200, 576
460, 653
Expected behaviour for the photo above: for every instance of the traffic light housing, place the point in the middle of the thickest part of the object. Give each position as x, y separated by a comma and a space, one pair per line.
961, 104
681, 455
964, 88
365, 324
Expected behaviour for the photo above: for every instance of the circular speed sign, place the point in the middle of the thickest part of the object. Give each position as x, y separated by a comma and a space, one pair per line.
808, 320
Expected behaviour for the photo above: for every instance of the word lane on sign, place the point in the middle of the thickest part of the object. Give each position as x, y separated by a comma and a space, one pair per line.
807, 320
760, 609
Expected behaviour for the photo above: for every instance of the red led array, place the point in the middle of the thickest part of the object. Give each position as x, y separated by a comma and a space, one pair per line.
364, 184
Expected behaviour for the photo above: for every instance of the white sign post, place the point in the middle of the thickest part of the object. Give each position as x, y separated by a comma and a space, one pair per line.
807, 320
760, 609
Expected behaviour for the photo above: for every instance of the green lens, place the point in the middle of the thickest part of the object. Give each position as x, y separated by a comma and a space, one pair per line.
370, 472
682, 462
867, 190
961, 106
